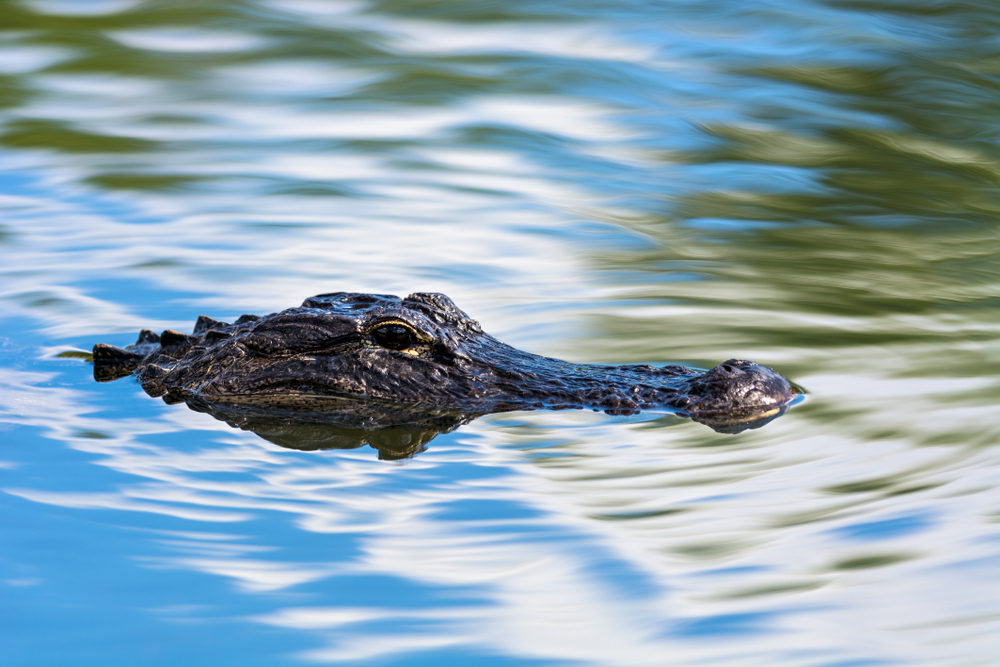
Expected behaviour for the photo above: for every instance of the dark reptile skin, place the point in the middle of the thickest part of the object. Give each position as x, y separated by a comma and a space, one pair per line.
309, 358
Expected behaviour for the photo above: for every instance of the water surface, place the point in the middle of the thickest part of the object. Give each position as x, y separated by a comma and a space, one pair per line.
812, 185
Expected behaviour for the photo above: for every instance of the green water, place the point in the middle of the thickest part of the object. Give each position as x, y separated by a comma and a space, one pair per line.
811, 185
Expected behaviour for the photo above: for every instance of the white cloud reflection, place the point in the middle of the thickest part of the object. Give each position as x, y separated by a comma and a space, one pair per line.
583, 42
114, 501
81, 7
187, 40
23, 58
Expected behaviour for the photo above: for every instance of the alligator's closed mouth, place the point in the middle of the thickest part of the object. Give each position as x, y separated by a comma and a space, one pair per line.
418, 354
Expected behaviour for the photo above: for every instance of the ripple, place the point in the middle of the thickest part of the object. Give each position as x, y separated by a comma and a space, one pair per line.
613, 182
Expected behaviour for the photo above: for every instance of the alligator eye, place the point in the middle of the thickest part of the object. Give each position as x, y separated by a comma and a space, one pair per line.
393, 336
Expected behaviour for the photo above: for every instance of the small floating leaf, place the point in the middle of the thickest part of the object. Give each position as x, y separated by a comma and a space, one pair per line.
76, 354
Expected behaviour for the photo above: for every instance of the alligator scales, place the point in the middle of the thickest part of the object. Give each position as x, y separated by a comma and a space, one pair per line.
421, 352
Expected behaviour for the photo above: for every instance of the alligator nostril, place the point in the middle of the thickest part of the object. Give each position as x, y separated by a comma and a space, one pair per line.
728, 368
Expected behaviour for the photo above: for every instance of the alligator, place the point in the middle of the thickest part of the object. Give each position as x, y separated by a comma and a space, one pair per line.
414, 361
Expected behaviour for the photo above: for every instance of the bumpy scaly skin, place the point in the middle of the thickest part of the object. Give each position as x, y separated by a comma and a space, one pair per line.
421, 352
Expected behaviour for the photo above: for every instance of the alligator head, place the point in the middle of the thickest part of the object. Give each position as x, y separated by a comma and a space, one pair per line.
424, 354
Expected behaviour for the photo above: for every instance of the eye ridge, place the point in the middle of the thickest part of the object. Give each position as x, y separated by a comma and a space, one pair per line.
394, 336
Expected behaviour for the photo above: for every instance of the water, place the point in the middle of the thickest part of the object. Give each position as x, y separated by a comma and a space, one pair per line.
812, 185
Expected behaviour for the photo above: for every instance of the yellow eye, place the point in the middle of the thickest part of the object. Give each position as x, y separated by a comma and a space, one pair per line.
394, 336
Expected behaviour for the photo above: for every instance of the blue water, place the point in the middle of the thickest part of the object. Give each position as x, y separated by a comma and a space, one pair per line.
812, 185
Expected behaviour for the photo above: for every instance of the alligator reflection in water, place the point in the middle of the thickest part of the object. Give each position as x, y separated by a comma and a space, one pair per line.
346, 369
396, 432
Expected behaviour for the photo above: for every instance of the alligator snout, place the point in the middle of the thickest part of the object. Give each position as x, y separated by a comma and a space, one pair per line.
737, 387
